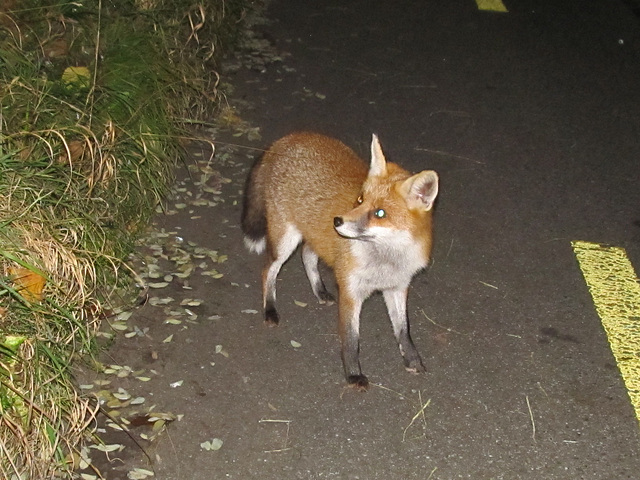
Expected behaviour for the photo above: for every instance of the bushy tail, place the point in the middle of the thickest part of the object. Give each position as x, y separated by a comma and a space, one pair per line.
254, 215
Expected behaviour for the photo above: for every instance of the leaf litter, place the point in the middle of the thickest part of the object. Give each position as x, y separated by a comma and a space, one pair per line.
165, 259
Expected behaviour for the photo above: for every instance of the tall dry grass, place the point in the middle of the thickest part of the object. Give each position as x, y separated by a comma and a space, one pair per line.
90, 94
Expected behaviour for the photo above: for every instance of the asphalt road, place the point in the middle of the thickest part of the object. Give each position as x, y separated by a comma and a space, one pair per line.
532, 120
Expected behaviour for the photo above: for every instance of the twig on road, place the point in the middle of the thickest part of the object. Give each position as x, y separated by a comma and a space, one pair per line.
533, 423
417, 415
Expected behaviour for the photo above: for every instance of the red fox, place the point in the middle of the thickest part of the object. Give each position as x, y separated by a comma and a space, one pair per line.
372, 226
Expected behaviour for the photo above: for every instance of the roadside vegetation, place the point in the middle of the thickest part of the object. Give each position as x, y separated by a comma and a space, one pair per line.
95, 97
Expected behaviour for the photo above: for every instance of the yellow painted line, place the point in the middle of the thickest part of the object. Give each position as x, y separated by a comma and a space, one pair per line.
491, 5
615, 291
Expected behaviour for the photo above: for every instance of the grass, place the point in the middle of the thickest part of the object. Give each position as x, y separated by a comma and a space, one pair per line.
90, 94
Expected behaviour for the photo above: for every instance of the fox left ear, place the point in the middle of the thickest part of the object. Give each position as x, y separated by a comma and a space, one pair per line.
378, 162
420, 190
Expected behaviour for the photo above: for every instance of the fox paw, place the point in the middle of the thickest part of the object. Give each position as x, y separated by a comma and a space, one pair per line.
325, 298
416, 367
271, 317
358, 382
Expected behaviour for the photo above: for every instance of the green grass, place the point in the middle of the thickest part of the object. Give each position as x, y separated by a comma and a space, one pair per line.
90, 94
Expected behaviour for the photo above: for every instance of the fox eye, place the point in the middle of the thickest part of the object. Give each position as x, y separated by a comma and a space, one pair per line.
380, 213
359, 200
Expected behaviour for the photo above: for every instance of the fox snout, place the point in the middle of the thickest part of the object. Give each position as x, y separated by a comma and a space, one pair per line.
338, 224
350, 229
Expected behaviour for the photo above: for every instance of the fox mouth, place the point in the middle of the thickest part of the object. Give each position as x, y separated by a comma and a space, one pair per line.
350, 230
354, 235
365, 238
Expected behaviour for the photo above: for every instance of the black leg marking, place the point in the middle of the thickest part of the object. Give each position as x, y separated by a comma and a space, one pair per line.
396, 301
271, 317
324, 296
410, 355
414, 365
358, 382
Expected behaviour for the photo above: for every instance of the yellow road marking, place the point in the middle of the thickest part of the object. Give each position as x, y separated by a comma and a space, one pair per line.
491, 5
615, 291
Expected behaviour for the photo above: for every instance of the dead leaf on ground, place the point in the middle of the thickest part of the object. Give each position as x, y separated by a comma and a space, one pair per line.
28, 283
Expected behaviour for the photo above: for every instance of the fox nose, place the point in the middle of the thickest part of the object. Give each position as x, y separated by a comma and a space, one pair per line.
338, 221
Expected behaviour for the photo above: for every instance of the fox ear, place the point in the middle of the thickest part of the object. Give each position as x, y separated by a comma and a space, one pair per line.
420, 191
378, 166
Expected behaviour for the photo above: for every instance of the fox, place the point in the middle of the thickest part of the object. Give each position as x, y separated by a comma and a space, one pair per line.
372, 225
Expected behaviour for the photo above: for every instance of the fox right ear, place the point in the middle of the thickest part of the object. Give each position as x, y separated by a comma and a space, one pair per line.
378, 166
421, 190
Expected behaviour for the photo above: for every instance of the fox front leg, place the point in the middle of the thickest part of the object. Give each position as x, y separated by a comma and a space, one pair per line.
349, 329
396, 301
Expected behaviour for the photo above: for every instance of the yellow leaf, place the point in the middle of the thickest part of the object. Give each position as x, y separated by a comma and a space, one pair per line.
76, 75
29, 284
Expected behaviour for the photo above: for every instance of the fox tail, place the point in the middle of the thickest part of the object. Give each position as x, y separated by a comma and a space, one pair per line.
254, 215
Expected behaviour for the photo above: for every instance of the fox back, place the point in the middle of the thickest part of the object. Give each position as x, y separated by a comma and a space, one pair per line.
370, 224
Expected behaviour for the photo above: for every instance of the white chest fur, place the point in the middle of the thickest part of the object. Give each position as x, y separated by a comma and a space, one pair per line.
387, 261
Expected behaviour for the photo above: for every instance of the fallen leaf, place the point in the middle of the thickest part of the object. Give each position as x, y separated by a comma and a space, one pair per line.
28, 283
122, 394
221, 351
12, 342
108, 448
113, 403
162, 416
76, 75
139, 474
124, 316
213, 444
115, 426
191, 302
160, 301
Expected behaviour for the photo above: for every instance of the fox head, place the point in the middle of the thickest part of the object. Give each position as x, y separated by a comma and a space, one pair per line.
390, 203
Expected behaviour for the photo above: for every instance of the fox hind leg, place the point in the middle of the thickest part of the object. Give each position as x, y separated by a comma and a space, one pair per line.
279, 249
310, 261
